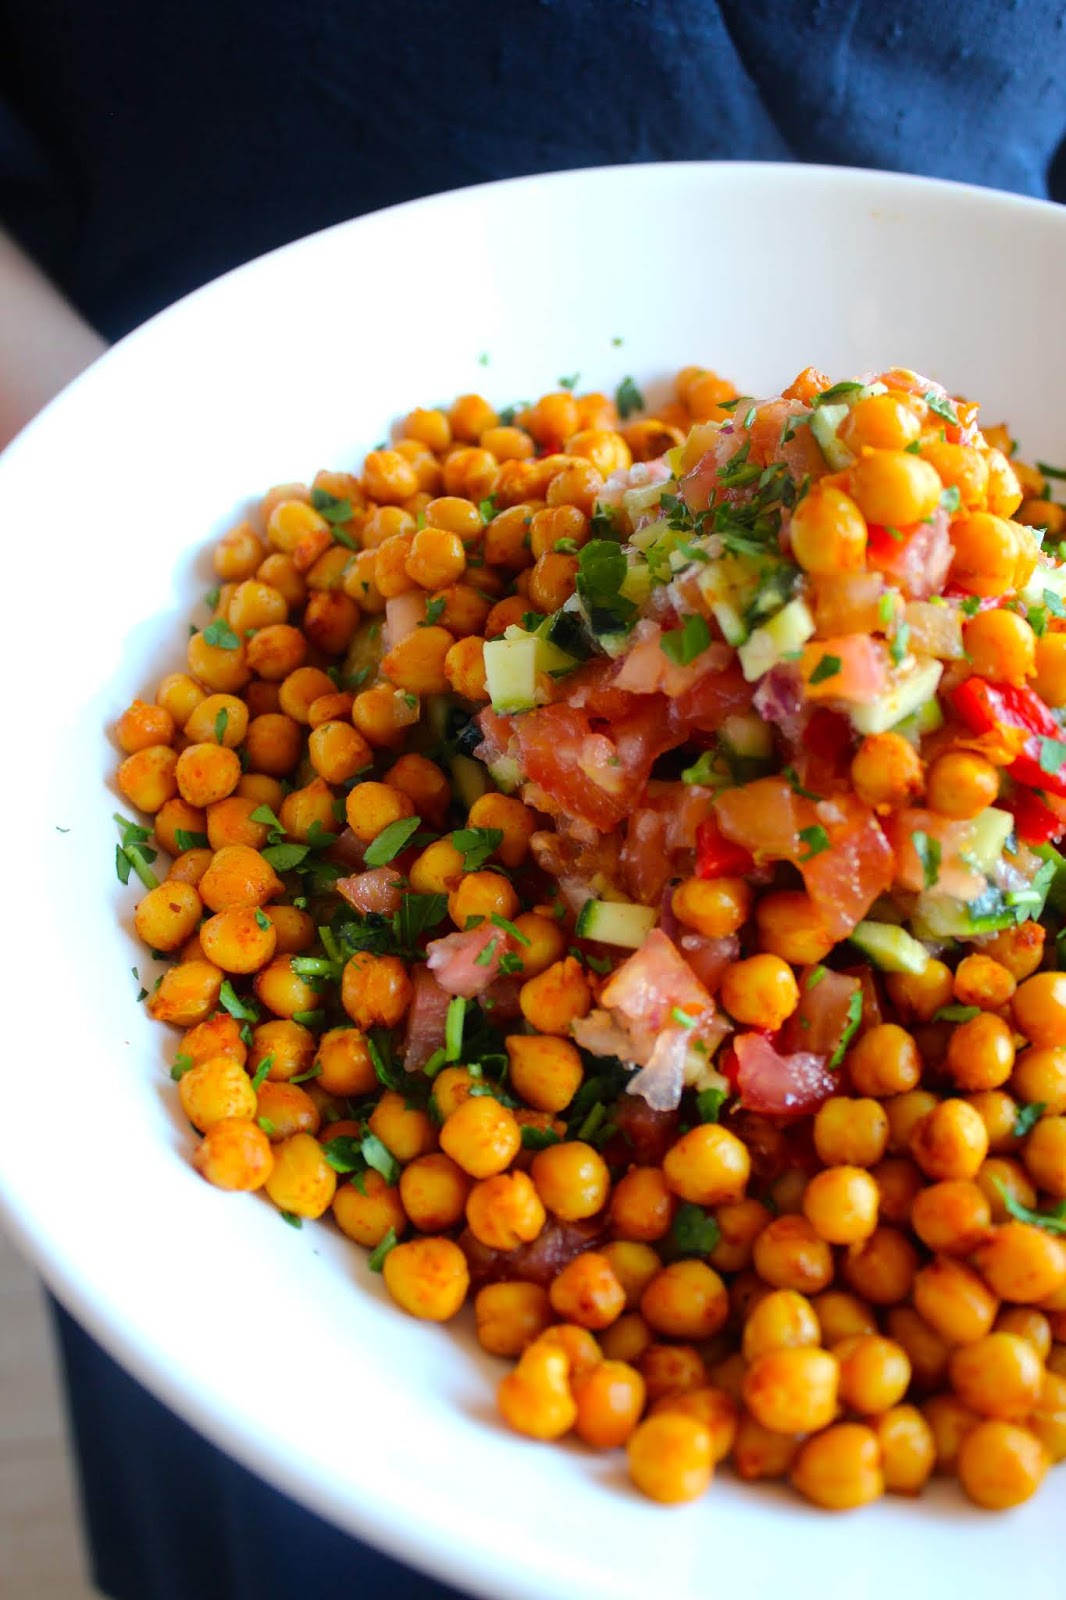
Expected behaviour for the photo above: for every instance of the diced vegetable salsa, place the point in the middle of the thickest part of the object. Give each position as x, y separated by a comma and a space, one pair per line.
608, 863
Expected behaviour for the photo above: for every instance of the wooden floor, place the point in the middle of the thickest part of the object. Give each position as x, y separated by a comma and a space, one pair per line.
41, 1551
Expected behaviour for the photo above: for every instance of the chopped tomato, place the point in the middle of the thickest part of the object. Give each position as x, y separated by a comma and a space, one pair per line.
945, 843
652, 984
426, 1017
914, 559
379, 890
657, 832
845, 875
647, 669
781, 1085
766, 818
717, 856
850, 666
711, 699
829, 1007
585, 773
466, 963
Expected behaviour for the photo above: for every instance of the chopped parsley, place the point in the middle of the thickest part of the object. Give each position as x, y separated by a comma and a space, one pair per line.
291, 1218
181, 1065
602, 570
1028, 1117
133, 853
839, 391
851, 1026
942, 406
376, 1259
928, 852
571, 382
475, 845
900, 643
705, 770
261, 919
434, 612
628, 398
262, 1072
694, 1233
827, 667
509, 927
1055, 603
738, 470
487, 508
950, 498
390, 841
190, 841
538, 1138
1051, 472
814, 977
220, 635
242, 1010
309, 1019
956, 1013
792, 777
709, 1103
682, 645
816, 839
1053, 1221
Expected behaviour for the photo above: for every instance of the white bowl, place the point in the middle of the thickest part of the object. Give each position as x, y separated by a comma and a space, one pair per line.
109, 502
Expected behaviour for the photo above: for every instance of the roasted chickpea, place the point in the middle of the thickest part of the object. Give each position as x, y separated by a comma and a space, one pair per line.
841, 1204
707, 1166
671, 1458
884, 1061
790, 1255
1001, 1465
367, 1213
505, 1211
428, 1278
482, 1136
840, 1469
510, 1316
571, 1179
793, 1390
881, 1268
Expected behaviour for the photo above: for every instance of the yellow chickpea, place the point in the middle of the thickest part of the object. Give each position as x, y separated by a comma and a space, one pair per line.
1040, 1075
886, 771
1022, 1263
482, 1136
761, 991
781, 1320
715, 907
286, 1109
337, 751
437, 558
482, 894
1039, 1009
234, 1154
427, 1278
898, 1184
1045, 1156
216, 1090
954, 1300
219, 1036
229, 821
586, 1292
980, 1056
905, 1441
670, 1458
282, 990
628, 1338
371, 807
1001, 1465
545, 1072
148, 778
982, 981
881, 1268
299, 691
986, 553
875, 1373
962, 467
168, 915
951, 1141
828, 532
918, 996
238, 876
707, 1165
1047, 1420
739, 1224
880, 422
998, 1376
555, 998
366, 1212
510, 1316
344, 1062
790, 1255
505, 1211
241, 940
572, 1179
686, 1300
407, 1131
273, 743
437, 869
761, 1454
951, 1218
289, 1046
841, 1316
642, 1205
790, 926
893, 488
238, 553
1050, 664
793, 1390
1001, 1176
222, 667
885, 1061
188, 993
609, 1402
535, 1399
961, 784
514, 820
141, 726
841, 1204
375, 991
850, 1132
464, 668
1000, 645
434, 1192
840, 1469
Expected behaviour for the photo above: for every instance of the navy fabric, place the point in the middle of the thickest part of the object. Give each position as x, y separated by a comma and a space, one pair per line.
169, 1517
144, 149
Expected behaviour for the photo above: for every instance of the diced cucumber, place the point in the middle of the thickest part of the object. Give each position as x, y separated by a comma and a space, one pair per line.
747, 736
824, 424
938, 916
506, 774
645, 537
566, 629
776, 639
1050, 578
989, 832
1056, 895
730, 621
890, 949
513, 666
636, 585
904, 698
635, 502
927, 719
615, 922
469, 779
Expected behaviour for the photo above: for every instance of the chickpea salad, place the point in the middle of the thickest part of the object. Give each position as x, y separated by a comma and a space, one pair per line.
608, 862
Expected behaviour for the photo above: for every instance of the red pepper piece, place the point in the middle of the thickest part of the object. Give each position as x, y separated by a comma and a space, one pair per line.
984, 706
1036, 822
717, 856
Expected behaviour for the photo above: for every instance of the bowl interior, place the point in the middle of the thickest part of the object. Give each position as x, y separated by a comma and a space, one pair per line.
111, 498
